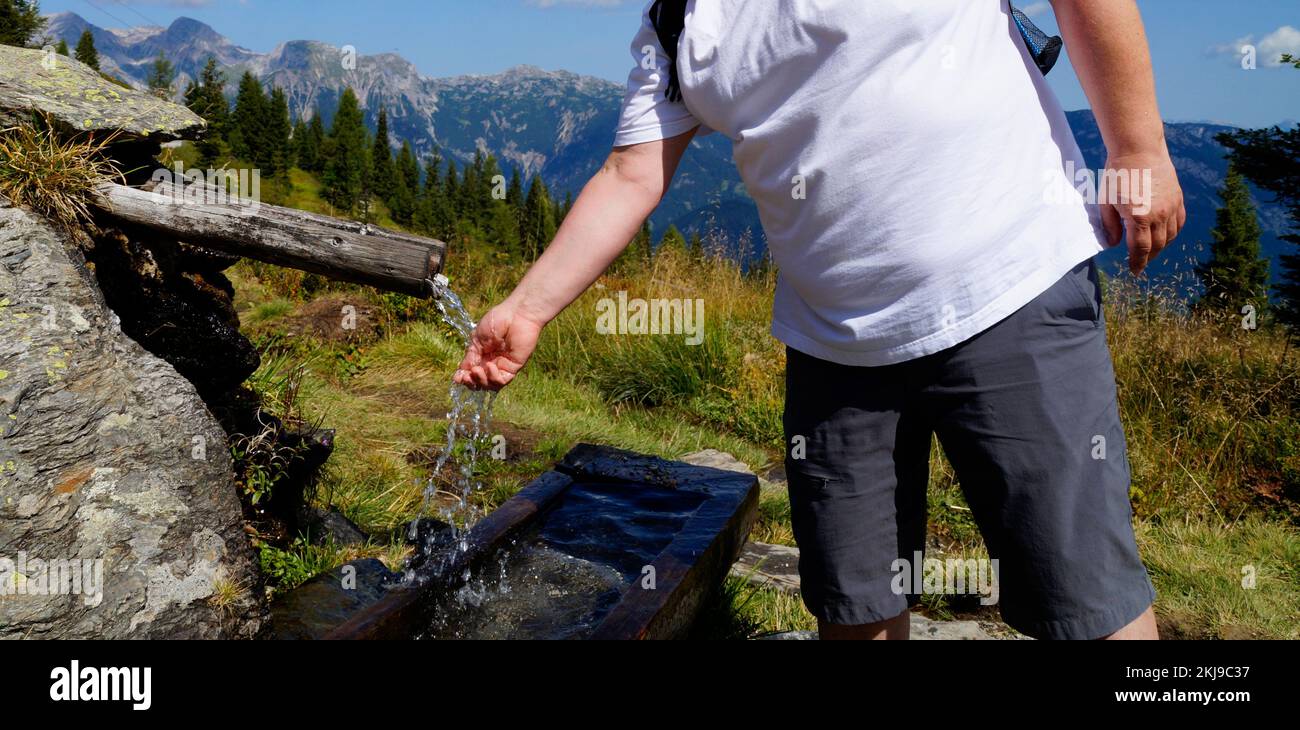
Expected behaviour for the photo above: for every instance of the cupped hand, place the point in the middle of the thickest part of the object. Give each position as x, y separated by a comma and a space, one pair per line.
498, 349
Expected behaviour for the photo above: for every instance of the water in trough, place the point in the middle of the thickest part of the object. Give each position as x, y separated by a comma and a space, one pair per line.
562, 575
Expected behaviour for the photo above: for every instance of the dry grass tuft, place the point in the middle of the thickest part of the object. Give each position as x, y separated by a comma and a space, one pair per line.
53, 176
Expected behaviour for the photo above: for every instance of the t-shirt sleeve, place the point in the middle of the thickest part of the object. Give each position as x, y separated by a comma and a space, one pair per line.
647, 115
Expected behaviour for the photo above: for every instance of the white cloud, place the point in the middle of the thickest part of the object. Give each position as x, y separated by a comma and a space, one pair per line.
1283, 40
1269, 49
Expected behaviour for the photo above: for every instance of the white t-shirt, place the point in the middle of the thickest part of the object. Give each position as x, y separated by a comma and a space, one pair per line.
914, 174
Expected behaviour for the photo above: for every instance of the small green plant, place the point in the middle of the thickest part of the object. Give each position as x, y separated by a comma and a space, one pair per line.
290, 567
261, 458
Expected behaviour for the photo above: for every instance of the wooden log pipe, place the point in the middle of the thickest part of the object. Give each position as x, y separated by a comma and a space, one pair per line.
339, 249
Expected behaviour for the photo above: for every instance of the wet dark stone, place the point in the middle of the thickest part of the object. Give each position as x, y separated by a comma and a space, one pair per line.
183, 317
197, 259
323, 526
429, 537
312, 448
314, 608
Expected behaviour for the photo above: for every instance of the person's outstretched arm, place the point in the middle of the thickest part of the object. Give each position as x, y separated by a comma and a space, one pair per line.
1108, 49
604, 218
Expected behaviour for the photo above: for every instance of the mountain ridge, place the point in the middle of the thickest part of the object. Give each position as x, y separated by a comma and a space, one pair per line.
561, 125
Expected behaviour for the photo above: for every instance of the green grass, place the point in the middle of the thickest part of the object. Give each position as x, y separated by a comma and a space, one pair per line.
273, 309
1225, 581
1212, 417
742, 610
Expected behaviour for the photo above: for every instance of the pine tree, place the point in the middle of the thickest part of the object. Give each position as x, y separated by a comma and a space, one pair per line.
405, 186
502, 228
401, 202
436, 209
564, 209
538, 226
86, 52
381, 160
248, 121
62, 48
696, 246
161, 75
296, 140
346, 168
433, 175
1235, 274
673, 240
423, 219
474, 192
408, 168
451, 196
20, 20
277, 155
501, 218
310, 147
515, 193
637, 254
206, 96
1270, 158
642, 243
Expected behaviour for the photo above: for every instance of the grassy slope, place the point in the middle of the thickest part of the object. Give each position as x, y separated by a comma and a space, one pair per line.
1210, 413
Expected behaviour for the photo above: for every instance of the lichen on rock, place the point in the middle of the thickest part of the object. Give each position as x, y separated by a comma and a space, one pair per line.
76, 95
107, 454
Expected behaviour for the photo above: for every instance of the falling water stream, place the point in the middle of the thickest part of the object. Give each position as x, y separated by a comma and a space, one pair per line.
468, 424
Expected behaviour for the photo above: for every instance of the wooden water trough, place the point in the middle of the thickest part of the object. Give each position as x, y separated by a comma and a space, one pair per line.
208, 216
723, 506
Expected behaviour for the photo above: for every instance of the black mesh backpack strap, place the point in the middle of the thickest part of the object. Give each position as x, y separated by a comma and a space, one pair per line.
668, 18
1044, 48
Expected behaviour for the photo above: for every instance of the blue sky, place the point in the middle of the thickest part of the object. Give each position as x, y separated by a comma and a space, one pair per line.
1194, 42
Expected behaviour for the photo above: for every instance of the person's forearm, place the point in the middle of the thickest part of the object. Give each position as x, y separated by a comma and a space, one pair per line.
1107, 46
603, 221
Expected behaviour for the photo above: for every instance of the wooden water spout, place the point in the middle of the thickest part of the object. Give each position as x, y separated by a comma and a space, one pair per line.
332, 247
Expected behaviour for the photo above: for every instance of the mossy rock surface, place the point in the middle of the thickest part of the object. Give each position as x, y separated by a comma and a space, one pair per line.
81, 98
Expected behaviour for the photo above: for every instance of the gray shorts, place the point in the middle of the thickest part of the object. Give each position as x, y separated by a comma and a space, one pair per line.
1027, 414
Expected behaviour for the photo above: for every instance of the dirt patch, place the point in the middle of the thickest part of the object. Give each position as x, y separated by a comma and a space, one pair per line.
520, 447
333, 319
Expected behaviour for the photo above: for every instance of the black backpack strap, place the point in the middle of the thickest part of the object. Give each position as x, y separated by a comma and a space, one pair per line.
669, 18
1044, 48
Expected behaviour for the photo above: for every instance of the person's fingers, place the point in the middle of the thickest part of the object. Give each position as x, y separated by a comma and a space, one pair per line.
1139, 244
1182, 215
1159, 239
1172, 228
1113, 223
497, 377
479, 376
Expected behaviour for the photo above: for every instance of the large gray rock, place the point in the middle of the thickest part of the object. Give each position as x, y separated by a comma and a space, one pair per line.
772, 566
76, 95
107, 454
